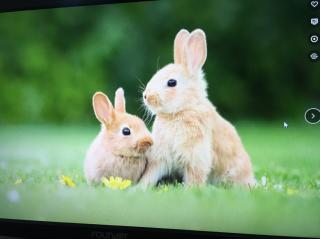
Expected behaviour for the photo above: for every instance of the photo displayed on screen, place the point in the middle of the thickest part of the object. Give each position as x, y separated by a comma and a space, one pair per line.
163, 114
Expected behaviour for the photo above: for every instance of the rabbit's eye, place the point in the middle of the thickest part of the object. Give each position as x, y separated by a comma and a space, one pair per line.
126, 131
172, 83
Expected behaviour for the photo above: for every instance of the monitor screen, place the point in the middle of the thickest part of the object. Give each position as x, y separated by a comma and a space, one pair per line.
188, 115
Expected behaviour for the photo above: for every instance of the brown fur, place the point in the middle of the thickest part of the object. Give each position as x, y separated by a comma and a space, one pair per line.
189, 134
112, 153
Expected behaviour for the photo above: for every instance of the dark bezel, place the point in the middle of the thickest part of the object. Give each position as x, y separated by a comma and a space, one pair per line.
37, 229
18, 5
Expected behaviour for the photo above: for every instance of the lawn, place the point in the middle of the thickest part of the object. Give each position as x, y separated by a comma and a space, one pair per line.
286, 163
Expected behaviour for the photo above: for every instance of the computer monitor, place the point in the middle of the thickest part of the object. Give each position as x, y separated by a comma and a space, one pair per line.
160, 119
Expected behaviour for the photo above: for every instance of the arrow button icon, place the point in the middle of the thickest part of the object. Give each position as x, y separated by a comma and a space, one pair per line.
312, 116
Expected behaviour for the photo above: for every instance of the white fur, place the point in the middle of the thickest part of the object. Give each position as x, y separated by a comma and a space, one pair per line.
190, 137
112, 153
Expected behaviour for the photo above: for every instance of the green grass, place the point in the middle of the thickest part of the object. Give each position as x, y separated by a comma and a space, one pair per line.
289, 203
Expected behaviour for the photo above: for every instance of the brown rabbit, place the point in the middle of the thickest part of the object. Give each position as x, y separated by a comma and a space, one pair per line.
119, 149
190, 136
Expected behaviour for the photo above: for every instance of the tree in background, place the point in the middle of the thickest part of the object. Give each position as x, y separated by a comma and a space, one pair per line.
52, 61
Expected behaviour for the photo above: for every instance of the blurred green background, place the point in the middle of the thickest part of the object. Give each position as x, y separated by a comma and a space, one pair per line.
52, 61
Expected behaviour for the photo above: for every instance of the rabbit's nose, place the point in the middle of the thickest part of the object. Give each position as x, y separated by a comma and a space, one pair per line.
144, 144
153, 100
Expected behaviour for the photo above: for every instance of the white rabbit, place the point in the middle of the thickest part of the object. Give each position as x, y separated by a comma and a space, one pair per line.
119, 149
190, 137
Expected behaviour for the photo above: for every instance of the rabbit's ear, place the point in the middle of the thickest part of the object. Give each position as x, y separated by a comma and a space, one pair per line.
120, 102
179, 44
196, 51
103, 108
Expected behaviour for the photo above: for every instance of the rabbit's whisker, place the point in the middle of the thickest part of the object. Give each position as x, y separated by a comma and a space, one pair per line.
158, 63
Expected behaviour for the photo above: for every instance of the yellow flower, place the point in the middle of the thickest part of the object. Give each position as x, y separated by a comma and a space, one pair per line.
18, 181
291, 191
116, 183
164, 188
65, 180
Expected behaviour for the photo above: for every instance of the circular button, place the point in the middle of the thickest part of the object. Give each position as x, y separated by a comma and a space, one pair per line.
312, 116
314, 38
314, 56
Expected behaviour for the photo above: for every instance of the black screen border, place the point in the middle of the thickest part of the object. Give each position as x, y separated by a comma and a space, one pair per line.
18, 5
45, 229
